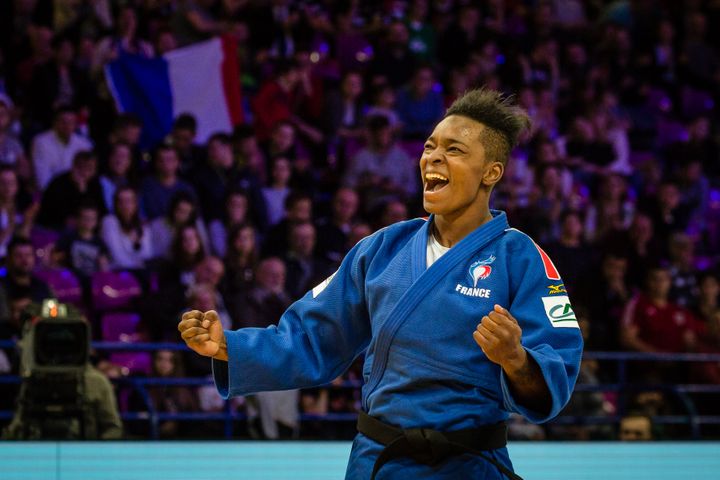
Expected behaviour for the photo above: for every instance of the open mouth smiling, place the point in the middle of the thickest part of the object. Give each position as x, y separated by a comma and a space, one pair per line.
435, 182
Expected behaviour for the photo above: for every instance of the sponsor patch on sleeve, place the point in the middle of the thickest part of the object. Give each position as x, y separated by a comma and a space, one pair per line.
322, 285
560, 312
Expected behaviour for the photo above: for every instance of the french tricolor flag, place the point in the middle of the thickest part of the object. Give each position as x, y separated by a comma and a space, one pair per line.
202, 79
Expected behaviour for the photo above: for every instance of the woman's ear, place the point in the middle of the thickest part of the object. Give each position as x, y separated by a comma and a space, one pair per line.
493, 174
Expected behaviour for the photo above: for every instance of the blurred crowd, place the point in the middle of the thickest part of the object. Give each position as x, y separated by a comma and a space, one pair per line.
619, 179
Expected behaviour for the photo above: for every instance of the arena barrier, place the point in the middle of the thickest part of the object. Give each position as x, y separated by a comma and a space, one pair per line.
229, 417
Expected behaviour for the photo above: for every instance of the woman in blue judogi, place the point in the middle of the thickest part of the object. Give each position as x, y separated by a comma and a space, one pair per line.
462, 320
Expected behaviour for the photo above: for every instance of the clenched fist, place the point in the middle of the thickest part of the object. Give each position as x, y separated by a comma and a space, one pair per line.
203, 333
499, 334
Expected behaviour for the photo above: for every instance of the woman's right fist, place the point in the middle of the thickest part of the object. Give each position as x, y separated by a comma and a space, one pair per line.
202, 332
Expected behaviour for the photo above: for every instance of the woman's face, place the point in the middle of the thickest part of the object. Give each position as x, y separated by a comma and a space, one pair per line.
182, 213
164, 363
237, 208
281, 171
245, 240
127, 204
190, 241
120, 161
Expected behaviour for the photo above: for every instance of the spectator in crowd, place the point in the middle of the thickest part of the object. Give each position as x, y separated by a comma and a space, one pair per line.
635, 427
343, 109
282, 142
126, 236
187, 252
53, 151
651, 322
277, 412
19, 280
333, 232
382, 167
541, 218
250, 155
708, 297
123, 41
684, 290
236, 213
277, 191
275, 100
263, 304
304, 269
394, 62
195, 21
182, 212
611, 211
81, 248
127, 129
13, 221
243, 254
639, 245
58, 82
220, 175
606, 293
298, 208
182, 138
157, 191
68, 190
172, 399
456, 42
570, 246
665, 211
384, 104
392, 211
118, 172
421, 33
12, 152
420, 105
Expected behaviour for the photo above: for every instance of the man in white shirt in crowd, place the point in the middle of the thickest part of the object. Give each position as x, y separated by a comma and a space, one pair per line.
53, 150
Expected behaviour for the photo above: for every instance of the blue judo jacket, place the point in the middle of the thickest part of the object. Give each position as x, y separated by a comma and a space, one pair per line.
422, 366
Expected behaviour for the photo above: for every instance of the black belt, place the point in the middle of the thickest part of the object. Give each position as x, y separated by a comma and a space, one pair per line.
431, 447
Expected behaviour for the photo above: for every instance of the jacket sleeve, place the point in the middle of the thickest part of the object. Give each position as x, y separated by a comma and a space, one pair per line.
550, 331
316, 339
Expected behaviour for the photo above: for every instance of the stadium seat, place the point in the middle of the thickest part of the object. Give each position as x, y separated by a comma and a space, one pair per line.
122, 327
138, 363
119, 326
114, 290
43, 241
64, 284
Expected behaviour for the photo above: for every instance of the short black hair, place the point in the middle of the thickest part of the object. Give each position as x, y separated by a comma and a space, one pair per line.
83, 156
377, 122
221, 137
185, 121
125, 120
503, 120
17, 241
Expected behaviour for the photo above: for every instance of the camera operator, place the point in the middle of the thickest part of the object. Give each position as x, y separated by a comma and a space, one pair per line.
62, 397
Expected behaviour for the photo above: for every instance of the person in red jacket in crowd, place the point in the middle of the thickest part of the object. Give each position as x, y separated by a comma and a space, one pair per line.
652, 322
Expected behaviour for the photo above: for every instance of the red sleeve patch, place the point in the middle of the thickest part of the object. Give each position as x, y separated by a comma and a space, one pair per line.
550, 270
